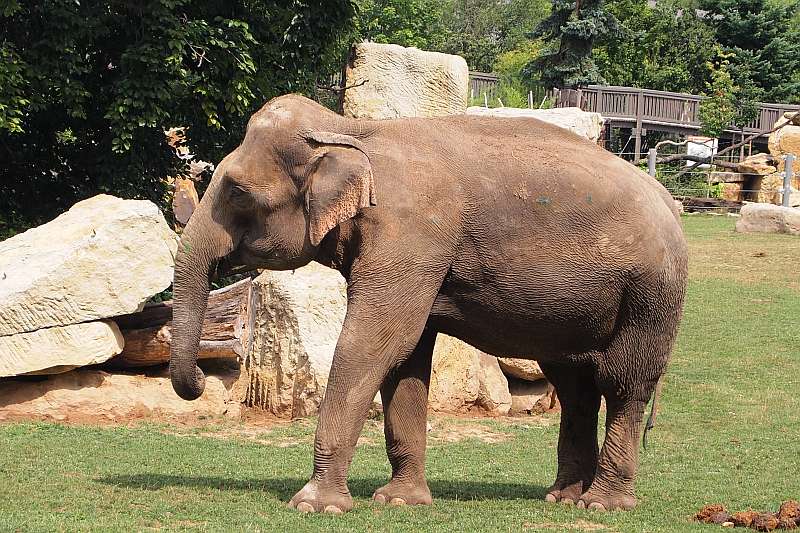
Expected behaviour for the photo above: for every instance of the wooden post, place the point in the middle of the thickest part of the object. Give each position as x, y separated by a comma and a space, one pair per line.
639, 111
651, 161
787, 179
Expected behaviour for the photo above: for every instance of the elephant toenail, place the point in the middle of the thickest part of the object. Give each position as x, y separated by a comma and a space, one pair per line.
581, 504
379, 498
397, 501
596, 506
332, 509
550, 497
305, 507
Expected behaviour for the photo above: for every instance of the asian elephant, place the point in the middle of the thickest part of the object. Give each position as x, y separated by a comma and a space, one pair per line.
518, 237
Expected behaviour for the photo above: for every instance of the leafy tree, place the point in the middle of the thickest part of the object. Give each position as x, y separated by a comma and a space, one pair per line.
765, 40
415, 23
88, 88
482, 30
571, 31
718, 110
666, 47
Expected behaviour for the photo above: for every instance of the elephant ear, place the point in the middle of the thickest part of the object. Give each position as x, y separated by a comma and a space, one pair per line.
339, 182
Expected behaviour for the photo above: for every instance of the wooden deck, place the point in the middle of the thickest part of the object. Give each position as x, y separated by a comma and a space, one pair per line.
664, 110
641, 109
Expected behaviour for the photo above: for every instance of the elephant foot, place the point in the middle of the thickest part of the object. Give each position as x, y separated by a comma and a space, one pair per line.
602, 501
566, 493
316, 497
403, 493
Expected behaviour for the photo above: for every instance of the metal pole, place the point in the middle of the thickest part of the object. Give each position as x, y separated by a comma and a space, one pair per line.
651, 161
787, 179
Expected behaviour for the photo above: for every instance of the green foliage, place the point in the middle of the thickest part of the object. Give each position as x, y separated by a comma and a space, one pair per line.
482, 30
764, 39
570, 32
718, 110
87, 89
415, 23
664, 48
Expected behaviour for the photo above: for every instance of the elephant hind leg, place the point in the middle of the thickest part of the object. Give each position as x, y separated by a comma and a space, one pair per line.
405, 408
577, 438
626, 375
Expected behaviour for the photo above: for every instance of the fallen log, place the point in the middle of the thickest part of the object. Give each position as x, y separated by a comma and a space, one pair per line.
148, 333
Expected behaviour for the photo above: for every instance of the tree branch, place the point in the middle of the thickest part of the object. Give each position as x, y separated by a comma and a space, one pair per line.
337, 89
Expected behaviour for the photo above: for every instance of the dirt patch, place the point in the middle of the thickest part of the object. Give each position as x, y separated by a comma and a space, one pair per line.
787, 517
578, 525
461, 433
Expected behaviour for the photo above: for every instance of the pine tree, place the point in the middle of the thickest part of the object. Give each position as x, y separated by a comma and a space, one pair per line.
764, 41
570, 31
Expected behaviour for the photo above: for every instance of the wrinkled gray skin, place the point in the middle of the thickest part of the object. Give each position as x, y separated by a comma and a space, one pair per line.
521, 240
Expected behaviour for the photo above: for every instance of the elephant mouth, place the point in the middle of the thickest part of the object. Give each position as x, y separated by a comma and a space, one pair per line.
230, 265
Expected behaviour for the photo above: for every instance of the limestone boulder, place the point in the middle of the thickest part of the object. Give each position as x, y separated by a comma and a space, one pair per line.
455, 376
527, 369
574, 119
767, 218
770, 190
104, 257
786, 139
296, 317
59, 349
390, 81
90, 396
493, 395
759, 164
529, 396
465, 379
295, 321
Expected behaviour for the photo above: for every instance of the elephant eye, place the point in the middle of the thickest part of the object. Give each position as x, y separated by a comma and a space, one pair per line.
239, 195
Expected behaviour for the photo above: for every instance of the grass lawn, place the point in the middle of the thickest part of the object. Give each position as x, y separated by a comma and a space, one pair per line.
729, 432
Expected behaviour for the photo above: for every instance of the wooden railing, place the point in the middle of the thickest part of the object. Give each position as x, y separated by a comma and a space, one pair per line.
662, 109
639, 107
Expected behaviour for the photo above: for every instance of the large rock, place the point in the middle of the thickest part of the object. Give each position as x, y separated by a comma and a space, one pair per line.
455, 376
94, 396
465, 379
529, 396
759, 164
59, 349
104, 257
770, 190
786, 139
767, 218
295, 321
390, 81
493, 394
521, 368
574, 119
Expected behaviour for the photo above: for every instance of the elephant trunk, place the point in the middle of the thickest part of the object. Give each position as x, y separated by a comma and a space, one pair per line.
198, 252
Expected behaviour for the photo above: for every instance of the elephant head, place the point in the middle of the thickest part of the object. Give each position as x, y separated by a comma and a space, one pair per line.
296, 175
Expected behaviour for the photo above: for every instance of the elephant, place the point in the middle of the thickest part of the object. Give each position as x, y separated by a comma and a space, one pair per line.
518, 237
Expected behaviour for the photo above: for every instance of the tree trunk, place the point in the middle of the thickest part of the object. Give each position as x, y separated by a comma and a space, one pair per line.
148, 333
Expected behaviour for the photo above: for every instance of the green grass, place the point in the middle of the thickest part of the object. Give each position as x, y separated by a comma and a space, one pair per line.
729, 432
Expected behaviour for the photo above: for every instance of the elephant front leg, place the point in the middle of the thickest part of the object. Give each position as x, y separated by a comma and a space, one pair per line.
384, 323
352, 384
405, 411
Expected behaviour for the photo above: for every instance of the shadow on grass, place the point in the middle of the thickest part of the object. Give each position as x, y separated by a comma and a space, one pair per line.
285, 488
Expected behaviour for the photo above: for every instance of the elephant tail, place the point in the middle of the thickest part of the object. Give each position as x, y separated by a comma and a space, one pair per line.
651, 420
